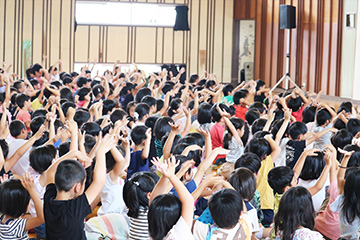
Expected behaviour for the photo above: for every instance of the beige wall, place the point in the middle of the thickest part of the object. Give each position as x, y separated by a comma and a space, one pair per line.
356, 79
49, 24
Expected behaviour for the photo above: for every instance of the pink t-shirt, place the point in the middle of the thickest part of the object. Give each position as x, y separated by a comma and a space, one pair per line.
24, 116
327, 221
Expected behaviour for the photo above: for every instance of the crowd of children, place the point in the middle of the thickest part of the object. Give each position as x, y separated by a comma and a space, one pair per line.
132, 155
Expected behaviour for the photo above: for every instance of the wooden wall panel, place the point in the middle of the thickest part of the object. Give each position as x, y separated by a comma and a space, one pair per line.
315, 51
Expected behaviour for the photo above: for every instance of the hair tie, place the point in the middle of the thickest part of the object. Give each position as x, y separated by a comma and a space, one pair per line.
136, 115
136, 183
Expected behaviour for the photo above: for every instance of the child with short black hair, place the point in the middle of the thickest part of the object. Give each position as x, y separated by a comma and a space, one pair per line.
240, 104
24, 104
141, 136
323, 121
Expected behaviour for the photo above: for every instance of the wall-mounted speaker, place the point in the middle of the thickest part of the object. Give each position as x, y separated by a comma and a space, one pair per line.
287, 17
181, 22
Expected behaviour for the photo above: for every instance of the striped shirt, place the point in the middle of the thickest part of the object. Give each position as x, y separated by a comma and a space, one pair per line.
139, 227
13, 229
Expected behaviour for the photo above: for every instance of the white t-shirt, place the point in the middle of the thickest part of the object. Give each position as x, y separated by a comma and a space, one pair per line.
324, 140
39, 189
179, 231
23, 164
348, 231
320, 196
281, 160
112, 196
236, 150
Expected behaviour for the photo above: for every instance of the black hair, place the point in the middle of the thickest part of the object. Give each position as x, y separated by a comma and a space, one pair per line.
39, 112
150, 121
259, 106
36, 68
28, 73
199, 139
16, 127
259, 84
251, 115
354, 160
159, 104
279, 178
339, 124
65, 107
67, 94
69, 173
21, 98
142, 109
63, 148
82, 92
44, 138
97, 89
258, 125
36, 123
89, 143
238, 123
142, 93
56, 84
81, 81
149, 100
91, 128
250, 161
276, 127
202, 82
209, 83
322, 116
245, 136
128, 87
4, 147
296, 129
135, 191
345, 106
174, 105
138, 134
193, 78
167, 87
300, 216
214, 112
176, 139
67, 80
17, 84
34, 82
308, 114
350, 207
225, 207
41, 157
239, 95
262, 134
164, 212
313, 167
279, 114
259, 146
244, 182
295, 103
340, 139
204, 113
227, 89
108, 106
116, 115
353, 126
162, 127
81, 117
14, 198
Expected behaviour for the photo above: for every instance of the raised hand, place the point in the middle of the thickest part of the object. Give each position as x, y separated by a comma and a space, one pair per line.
167, 169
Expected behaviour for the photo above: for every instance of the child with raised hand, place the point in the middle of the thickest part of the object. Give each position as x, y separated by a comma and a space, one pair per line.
170, 217
348, 201
65, 203
15, 196
295, 218
232, 137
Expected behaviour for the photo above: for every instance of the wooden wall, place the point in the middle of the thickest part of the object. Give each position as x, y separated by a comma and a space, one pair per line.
49, 24
315, 52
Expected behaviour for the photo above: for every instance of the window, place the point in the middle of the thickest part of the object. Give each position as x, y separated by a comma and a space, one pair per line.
124, 13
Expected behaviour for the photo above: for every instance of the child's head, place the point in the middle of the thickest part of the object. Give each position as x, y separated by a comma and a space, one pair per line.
151, 102
281, 178
258, 125
225, 208
204, 113
81, 117
91, 128
251, 115
298, 202
142, 111
214, 112
295, 103
353, 126
238, 123
14, 198
341, 139
323, 117
175, 106
164, 212
162, 127
41, 157
142, 93
351, 205
347, 108
244, 182
117, 114
259, 84
260, 147
17, 129
70, 176
297, 130
98, 91
227, 89
23, 100
313, 167
308, 114
276, 127
258, 106
241, 94
137, 192
108, 106
138, 135
250, 161
194, 78
130, 108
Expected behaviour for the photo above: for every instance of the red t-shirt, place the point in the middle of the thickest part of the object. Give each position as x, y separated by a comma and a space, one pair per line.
24, 116
217, 136
298, 115
240, 111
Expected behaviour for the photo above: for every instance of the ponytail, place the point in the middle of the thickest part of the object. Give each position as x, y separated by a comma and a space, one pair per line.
227, 139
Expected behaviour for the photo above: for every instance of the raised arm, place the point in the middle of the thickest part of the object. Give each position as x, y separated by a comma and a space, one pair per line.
275, 149
300, 163
324, 175
342, 170
283, 127
146, 150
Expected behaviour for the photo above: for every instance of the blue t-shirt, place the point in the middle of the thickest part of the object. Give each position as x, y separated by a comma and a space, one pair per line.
190, 186
137, 164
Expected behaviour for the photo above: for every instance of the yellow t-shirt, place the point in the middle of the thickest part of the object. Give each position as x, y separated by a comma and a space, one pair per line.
36, 104
263, 187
